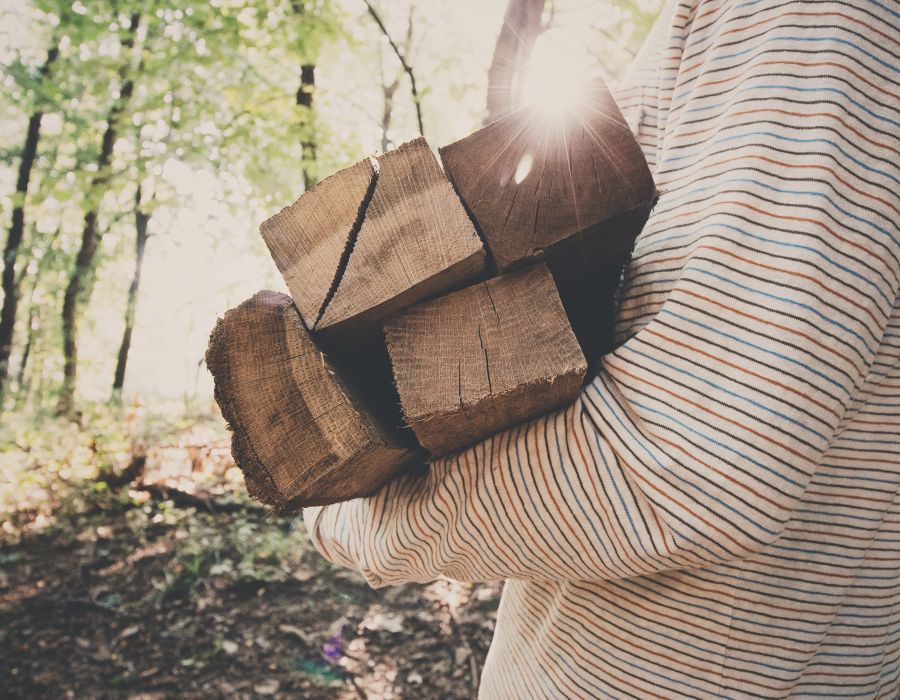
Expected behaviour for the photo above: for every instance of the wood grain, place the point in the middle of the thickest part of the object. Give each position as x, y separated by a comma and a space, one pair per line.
372, 239
569, 186
302, 436
484, 358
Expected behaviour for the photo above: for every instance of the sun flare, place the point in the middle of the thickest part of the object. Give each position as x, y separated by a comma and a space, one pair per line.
556, 80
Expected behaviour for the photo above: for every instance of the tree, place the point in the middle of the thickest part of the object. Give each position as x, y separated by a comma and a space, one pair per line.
90, 236
10, 285
141, 228
404, 63
215, 48
522, 24
389, 89
306, 95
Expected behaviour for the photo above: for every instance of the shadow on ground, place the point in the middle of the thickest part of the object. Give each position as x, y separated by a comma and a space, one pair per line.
142, 599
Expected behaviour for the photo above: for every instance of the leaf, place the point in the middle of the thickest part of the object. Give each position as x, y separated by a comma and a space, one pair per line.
296, 632
269, 686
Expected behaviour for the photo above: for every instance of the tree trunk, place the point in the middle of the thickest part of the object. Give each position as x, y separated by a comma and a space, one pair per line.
26, 352
90, 238
390, 89
141, 227
306, 95
32, 314
16, 232
521, 28
387, 112
401, 57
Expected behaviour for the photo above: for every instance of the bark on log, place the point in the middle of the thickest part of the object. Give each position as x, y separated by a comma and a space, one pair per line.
484, 358
370, 240
566, 184
301, 435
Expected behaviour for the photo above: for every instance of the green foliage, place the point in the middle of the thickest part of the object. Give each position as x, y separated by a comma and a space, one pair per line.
50, 465
248, 549
214, 136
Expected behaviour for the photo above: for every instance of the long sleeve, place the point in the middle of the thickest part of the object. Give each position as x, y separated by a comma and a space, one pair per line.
755, 302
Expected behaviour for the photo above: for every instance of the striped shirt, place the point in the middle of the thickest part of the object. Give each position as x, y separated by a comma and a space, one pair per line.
718, 514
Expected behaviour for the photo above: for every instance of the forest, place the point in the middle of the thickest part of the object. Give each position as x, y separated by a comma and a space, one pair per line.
141, 145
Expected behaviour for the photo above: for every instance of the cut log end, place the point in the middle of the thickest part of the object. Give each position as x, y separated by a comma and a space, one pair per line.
373, 238
573, 190
532, 181
301, 436
483, 359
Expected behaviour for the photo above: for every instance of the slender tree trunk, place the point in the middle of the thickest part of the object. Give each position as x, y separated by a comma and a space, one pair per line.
390, 89
26, 351
521, 28
306, 97
32, 315
401, 57
16, 231
387, 113
141, 227
90, 237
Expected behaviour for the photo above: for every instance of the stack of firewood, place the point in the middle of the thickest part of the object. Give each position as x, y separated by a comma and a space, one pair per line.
429, 307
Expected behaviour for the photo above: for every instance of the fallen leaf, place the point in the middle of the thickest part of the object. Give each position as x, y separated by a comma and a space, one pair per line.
303, 575
390, 622
296, 632
129, 631
461, 655
267, 687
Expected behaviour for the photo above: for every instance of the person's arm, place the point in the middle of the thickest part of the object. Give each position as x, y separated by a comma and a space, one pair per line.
762, 286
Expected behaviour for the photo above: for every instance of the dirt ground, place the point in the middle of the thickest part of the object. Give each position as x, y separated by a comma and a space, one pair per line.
127, 599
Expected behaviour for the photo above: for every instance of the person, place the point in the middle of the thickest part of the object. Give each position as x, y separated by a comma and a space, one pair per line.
718, 514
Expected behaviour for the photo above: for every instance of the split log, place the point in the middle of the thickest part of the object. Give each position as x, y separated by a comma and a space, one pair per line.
567, 184
370, 240
301, 435
484, 358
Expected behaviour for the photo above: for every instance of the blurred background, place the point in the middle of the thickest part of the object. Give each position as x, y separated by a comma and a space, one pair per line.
141, 144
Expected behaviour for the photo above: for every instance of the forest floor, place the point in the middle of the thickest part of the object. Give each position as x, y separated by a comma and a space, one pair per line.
134, 590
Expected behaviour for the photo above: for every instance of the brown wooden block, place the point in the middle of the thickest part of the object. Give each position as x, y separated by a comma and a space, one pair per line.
372, 239
301, 435
570, 186
484, 358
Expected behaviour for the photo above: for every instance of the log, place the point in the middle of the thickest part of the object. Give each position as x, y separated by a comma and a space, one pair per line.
484, 358
567, 185
370, 240
302, 436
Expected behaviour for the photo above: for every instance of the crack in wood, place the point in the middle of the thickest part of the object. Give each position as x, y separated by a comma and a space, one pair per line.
487, 289
512, 205
350, 244
487, 364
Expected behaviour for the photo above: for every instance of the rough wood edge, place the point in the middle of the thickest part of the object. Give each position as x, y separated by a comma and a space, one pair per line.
447, 150
257, 479
578, 374
580, 370
473, 267
472, 270
266, 233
